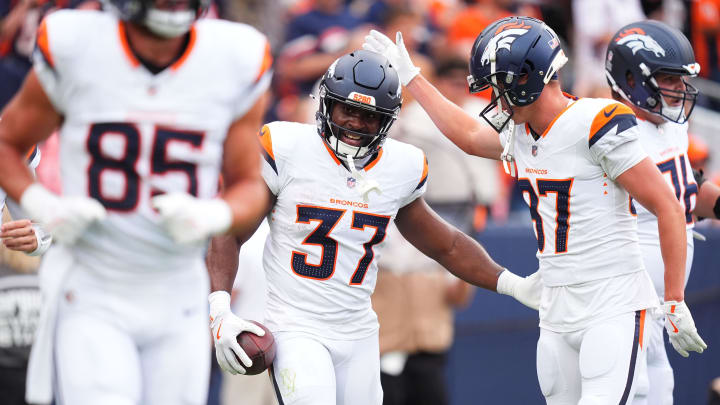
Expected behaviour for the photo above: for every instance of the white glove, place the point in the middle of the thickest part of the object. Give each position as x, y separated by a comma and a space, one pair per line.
191, 220
681, 329
66, 218
527, 290
225, 327
394, 52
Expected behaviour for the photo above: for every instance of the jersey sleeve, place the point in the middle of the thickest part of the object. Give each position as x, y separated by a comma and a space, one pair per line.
270, 171
54, 47
614, 140
421, 186
257, 64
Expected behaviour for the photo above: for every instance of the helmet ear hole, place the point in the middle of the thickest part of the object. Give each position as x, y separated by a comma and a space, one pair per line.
630, 79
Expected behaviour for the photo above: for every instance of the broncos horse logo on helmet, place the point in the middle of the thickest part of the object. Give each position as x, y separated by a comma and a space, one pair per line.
517, 57
636, 53
638, 41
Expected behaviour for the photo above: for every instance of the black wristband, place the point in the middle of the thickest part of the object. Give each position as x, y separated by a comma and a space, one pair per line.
716, 209
699, 177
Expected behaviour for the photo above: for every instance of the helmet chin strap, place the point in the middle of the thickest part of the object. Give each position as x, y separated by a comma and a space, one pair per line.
169, 24
507, 155
365, 185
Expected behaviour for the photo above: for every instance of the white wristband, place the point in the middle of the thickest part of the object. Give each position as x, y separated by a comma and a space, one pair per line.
36, 200
223, 216
44, 240
506, 283
219, 303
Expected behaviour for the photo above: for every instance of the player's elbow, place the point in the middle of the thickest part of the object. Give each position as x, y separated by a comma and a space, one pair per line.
670, 208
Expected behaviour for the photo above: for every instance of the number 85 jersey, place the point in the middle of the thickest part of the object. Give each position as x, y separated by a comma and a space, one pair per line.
129, 134
320, 257
580, 215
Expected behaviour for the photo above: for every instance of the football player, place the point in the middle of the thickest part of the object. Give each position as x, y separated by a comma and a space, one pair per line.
151, 104
576, 161
335, 187
646, 66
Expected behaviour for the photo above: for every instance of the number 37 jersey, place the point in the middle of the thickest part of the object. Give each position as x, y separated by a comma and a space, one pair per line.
321, 255
585, 230
129, 134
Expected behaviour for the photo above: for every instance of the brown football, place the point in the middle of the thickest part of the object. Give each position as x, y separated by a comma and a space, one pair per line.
260, 349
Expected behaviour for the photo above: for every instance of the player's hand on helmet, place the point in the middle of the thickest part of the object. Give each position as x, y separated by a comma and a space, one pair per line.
681, 329
191, 220
395, 52
66, 218
225, 327
527, 290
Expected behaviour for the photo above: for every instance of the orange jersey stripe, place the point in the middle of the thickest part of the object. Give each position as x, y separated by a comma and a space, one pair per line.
424, 175
266, 62
188, 49
266, 141
610, 116
374, 161
126, 46
44, 44
642, 327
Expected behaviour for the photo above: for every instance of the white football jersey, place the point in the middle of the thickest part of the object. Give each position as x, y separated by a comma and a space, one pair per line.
667, 146
128, 134
321, 255
585, 231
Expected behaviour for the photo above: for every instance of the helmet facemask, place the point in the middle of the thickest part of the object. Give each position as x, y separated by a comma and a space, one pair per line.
332, 132
679, 113
166, 21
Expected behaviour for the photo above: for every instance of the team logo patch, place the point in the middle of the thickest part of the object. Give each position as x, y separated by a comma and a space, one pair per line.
534, 150
351, 182
362, 98
637, 41
503, 39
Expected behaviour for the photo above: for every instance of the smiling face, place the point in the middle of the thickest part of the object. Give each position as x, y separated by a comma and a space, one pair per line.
355, 119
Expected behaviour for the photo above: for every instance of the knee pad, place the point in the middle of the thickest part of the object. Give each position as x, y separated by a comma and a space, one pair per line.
548, 368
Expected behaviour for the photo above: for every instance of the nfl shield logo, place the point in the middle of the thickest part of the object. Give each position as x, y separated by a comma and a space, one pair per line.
534, 150
351, 182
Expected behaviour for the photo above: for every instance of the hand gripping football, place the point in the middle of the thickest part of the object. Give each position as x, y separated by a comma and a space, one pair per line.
260, 349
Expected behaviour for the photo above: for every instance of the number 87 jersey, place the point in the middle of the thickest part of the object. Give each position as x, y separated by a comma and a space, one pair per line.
580, 215
129, 134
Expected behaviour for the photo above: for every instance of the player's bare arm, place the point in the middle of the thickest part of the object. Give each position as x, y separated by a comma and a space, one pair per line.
463, 130
708, 201
458, 126
645, 183
245, 191
28, 119
222, 255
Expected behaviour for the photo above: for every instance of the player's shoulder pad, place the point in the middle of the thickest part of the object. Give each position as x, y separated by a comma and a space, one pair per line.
415, 161
62, 33
279, 138
248, 49
610, 115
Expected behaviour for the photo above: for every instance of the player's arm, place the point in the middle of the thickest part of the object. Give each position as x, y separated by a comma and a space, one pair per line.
461, 255
222, 255
645, 183
708, 198
457, 125
28, 119
245, 191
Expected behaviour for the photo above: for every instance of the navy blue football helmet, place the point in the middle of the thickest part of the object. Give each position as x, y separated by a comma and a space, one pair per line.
640, 50
365, 80
165, 23
509, 51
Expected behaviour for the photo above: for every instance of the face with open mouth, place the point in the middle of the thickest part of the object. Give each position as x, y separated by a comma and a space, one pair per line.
355, 119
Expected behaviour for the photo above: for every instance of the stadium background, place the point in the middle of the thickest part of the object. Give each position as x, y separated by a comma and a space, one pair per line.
493, 358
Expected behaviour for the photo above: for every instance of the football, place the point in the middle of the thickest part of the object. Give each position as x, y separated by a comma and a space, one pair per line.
260, 349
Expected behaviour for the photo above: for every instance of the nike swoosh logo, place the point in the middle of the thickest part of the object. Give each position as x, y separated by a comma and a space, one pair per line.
673, 325
217, 335
608, 114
